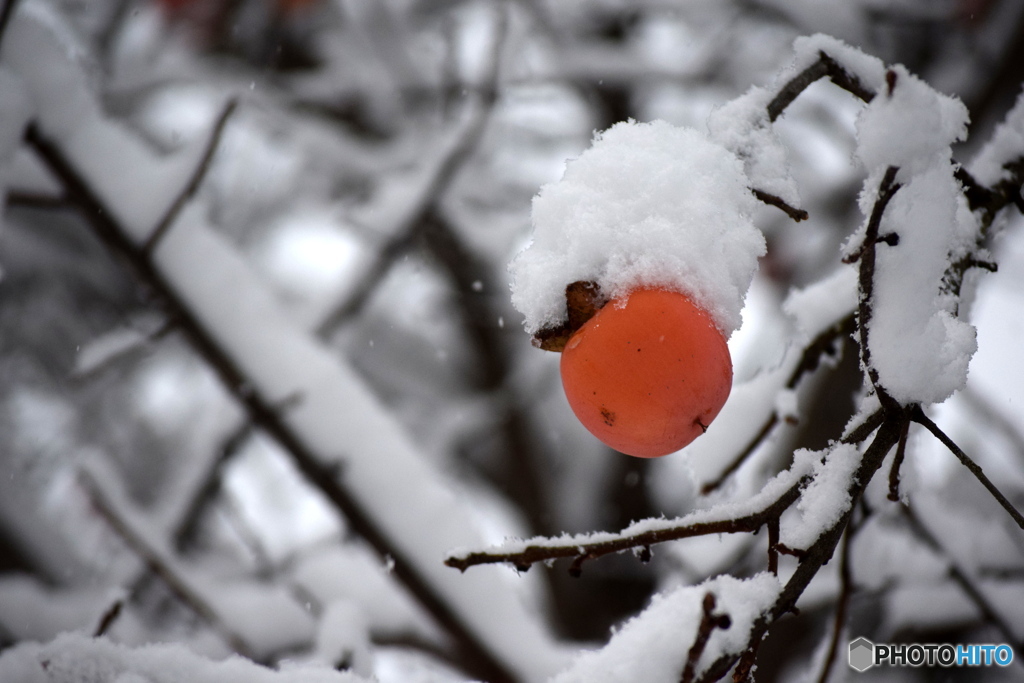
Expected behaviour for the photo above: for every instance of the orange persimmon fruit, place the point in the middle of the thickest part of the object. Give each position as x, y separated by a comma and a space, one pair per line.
647, 373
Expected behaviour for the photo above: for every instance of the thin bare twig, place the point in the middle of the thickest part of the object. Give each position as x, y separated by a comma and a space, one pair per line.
37, 200
990, 413
962, 580
210, 486
897, 463
197, 178
986, 203
157, 563
108, 618
780, 203
444, 172
825, 66
918, 416
474, 653
842, 602
865, 254
774, 531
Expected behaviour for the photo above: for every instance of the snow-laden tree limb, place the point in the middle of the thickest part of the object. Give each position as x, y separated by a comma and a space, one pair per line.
902, 260
312, 404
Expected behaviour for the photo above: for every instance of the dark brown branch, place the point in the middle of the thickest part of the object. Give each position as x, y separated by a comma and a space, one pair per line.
708, 623
196, 181
37, 200
866, 428
866, 277
990, 201
825, 66
109, 617
522, 560
966, 584
814, 558
210, 486
842, 602
779, 203
994, 417
986, 203
266, 416
897, 463
919, 417
773, 546
157, 564
586, 551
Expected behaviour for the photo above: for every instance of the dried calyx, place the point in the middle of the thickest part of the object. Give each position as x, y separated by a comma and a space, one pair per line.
583, 299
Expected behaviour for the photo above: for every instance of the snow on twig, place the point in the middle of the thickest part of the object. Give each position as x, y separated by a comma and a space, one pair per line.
159, 563
236, 377
748, 516
440, 173
902, 158
389, 494
197, 177
708, 623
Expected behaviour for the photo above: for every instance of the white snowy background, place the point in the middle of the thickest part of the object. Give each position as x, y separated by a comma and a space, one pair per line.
347, 248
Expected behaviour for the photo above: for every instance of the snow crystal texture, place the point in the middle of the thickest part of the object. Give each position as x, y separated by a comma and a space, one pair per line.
919, 347
647, 205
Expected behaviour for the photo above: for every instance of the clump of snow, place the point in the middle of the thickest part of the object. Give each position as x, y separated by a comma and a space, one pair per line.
825, 499
44, 53
742, 126
653, 646
266, 617
824, 303
910, 126
648, 204
869, 70
739, 506
72, 658
352, 574
1006, 144
919, 347
342, 638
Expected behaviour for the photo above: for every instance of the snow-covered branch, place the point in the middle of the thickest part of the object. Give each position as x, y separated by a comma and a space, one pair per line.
262, 412
265, 386
824, 488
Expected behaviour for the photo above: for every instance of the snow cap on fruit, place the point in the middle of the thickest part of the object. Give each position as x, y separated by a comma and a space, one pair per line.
646, 205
